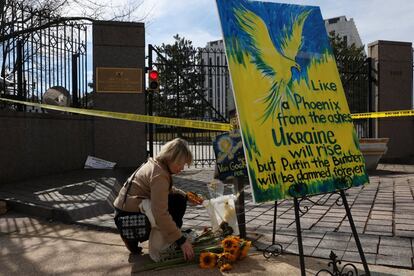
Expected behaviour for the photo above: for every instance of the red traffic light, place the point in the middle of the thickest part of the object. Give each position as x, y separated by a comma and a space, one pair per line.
153, 83
153, 75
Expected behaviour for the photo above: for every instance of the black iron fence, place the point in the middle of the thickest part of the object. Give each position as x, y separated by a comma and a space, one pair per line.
39, 52
195, 88
196, 85
356, 75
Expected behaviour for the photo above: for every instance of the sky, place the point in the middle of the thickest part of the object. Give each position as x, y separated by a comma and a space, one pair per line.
198, 20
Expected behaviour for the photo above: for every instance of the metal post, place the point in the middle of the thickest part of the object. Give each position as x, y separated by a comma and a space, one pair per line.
355, 233
150, 100
299, 234
177, 93
241, 219
19, 64
75, 98
274, 223
85, 88
275, 249
370, 98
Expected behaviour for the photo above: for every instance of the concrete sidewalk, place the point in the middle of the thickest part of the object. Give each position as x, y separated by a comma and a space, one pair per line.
32, 246
382, 211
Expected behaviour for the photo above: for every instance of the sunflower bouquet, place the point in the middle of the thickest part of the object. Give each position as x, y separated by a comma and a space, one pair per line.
233, 249
207, 241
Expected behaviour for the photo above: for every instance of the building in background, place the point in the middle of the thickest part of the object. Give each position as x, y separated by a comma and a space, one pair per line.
345, 28
218, 91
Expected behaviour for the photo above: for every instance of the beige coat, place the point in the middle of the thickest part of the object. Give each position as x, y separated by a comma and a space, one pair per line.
152, 181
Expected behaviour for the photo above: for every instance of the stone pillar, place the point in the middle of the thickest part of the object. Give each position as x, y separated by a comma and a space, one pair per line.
119, 70
393, 65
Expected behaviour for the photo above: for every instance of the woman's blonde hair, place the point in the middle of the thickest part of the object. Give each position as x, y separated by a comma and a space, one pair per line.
175, 151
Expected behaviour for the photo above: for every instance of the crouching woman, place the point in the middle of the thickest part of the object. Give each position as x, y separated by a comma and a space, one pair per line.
150, 191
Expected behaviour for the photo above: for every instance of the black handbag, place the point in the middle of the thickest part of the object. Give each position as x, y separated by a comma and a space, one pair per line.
132, 225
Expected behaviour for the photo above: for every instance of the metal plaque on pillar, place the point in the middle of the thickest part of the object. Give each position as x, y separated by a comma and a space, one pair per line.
118, 80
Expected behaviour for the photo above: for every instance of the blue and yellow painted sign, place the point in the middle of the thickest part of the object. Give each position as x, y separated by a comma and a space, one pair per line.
230, 160
297, 130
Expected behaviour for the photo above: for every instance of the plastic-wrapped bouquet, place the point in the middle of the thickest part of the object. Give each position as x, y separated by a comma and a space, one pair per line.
215, 188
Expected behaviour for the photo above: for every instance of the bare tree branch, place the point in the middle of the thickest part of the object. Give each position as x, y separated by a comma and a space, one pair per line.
43, 26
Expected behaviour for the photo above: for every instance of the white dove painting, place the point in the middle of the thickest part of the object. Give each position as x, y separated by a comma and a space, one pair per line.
297, 132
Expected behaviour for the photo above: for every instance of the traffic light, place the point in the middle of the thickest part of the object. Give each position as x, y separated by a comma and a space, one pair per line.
153, 81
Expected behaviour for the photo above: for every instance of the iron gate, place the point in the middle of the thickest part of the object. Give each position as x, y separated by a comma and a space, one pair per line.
38, 51
197, 89
356, 76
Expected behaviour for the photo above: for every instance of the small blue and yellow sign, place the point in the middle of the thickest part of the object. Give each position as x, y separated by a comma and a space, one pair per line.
230, 160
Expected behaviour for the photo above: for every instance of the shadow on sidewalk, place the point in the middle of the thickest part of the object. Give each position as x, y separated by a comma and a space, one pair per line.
68, 197
387, 173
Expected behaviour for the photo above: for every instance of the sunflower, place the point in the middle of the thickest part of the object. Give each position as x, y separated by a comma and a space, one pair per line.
245, 249
208, 260
232, 251
236, 238
221, 259
229, 243
225, 267
231, 255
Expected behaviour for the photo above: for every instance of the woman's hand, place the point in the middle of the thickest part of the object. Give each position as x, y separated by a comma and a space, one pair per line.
195, 199
188, 250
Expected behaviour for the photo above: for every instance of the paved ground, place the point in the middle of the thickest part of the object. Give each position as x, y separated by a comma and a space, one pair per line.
31, 246
382, 211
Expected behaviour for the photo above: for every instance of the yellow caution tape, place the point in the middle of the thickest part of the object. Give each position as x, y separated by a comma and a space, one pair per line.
133, 117
383, 114
184, 122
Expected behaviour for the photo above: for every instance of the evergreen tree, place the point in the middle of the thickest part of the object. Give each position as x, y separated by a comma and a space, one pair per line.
353, 70
346, 55
181, 80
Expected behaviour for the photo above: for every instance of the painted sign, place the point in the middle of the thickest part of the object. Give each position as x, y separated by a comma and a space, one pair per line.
296, 127
230, 160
